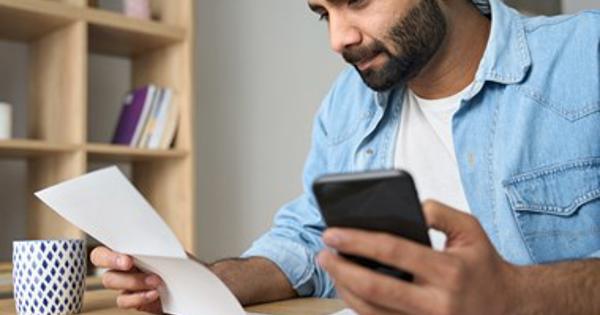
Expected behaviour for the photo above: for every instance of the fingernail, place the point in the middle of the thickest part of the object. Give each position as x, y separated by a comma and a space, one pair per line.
322, 259
121, 262
333, 239
151, 295
152, 281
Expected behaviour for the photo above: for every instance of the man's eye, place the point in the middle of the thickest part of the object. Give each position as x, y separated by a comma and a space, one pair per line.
323, 17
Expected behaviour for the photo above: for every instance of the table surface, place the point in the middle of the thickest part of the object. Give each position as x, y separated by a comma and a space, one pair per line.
102, 302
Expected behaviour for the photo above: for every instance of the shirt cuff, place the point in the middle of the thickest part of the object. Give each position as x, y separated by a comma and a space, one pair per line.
595, 255
296, 261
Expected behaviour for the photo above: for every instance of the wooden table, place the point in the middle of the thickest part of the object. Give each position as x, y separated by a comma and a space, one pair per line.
102, 302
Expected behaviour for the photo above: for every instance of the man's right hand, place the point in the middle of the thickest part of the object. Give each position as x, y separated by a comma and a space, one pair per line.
138, 290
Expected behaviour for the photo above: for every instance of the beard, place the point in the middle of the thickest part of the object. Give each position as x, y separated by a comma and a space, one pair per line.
416, 38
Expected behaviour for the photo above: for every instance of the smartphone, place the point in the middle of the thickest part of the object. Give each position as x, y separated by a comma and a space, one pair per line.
383, 201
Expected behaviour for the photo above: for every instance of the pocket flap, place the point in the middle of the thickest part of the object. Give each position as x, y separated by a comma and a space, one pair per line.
558, 189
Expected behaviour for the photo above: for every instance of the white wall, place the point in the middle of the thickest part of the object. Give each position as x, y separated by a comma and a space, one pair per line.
572, 6
263, 70
13, 173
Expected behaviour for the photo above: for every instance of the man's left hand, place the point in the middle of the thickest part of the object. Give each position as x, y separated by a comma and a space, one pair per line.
468, 277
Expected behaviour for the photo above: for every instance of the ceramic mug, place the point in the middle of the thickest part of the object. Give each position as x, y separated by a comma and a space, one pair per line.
49, 276
138, 9
5, 121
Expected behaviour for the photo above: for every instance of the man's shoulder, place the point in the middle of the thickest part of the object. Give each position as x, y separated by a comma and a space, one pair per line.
540, 25
565, 59
572, 38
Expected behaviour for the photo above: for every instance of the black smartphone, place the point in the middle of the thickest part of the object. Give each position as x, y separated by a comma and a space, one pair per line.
383, 201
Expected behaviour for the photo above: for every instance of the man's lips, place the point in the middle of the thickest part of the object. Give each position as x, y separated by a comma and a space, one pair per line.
367, 62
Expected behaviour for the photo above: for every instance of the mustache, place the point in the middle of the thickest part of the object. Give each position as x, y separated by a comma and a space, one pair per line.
354, 55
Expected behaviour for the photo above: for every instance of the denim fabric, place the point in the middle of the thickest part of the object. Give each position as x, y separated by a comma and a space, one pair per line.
527, 140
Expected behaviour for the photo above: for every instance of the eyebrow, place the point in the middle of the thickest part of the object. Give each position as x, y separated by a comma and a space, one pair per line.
318, 8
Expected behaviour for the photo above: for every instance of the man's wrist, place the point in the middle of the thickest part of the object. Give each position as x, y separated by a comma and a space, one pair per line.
521, 299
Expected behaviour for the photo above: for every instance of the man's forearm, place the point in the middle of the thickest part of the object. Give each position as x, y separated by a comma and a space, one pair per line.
254, 280
562, 289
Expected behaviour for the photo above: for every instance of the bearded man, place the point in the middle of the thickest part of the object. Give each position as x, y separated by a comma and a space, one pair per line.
495, 115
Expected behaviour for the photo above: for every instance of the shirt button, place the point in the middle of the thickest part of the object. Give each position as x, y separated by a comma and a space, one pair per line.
370, 152
471, 159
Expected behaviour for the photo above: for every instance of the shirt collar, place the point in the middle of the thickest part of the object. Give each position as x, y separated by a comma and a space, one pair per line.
506, 58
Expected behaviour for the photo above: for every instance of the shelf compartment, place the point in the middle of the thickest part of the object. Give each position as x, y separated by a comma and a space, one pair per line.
110, 152
26, 20
116, 34
110, 33
19, 148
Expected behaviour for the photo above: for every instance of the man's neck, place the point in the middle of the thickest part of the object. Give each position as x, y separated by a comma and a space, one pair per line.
454, 66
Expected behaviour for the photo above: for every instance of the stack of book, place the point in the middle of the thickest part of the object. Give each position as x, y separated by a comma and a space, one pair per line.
148, 119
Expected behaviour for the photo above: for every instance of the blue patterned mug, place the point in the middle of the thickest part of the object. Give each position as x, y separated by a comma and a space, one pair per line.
49, 276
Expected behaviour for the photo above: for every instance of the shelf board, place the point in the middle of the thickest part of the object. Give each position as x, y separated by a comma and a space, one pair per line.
5, 279
5, 267
109, 32
19, 148
25, 20
116, 34
110, 152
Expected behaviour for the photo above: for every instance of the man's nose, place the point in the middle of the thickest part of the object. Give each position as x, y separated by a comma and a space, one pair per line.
342, 34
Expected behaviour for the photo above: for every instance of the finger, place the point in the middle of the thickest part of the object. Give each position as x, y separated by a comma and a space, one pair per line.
361, 306
388, 249
105, 258
377, 289
138, 299
458, 226
117, 280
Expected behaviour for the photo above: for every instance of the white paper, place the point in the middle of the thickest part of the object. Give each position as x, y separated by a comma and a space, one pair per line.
107, 206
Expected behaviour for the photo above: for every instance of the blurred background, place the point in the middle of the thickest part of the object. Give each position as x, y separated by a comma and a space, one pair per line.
262, 70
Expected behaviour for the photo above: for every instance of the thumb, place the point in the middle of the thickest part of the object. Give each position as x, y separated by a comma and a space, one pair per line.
456, 224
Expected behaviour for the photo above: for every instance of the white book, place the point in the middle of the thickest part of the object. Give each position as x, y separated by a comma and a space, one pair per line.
170, 125
150, 127
161, 119
139, 129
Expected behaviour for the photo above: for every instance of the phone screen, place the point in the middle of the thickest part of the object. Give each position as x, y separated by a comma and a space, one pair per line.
384, 201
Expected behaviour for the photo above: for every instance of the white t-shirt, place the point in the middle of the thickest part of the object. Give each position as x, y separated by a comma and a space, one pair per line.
425, 148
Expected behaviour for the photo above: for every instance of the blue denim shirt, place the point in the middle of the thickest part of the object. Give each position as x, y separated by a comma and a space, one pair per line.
527, 140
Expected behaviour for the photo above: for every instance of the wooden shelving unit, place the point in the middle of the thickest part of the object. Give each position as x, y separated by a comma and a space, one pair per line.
61, 34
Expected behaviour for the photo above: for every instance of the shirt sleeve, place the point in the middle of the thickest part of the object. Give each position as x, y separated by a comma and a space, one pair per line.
294, 240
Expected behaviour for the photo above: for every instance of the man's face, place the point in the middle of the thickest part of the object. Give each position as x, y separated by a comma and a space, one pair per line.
387, 41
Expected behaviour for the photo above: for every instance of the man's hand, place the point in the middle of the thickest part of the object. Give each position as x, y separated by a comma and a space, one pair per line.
253, 280
469, 277
138, 289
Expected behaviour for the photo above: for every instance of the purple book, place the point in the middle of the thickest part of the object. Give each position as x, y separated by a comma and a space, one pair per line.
131, 112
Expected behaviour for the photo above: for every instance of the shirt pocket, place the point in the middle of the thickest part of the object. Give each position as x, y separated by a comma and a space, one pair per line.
557, 209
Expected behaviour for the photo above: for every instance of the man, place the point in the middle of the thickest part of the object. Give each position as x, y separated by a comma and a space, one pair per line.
494, 114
